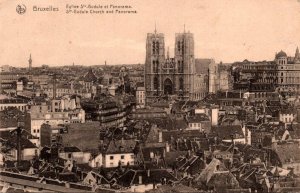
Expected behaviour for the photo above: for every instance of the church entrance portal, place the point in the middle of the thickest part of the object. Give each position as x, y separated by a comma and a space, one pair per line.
168, 87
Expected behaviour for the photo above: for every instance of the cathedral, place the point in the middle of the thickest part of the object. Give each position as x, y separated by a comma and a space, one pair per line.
165, 76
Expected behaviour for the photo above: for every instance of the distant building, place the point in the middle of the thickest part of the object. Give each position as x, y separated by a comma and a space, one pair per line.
140, 97
20, 104
288, 72
6, 68
199, 122
34, 121
219, 77
148, 113
119, 153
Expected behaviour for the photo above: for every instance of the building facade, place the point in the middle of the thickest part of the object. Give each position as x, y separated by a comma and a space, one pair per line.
169, 76
140, 97
288, 72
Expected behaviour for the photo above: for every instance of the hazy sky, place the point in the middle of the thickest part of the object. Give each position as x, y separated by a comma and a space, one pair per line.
227, 30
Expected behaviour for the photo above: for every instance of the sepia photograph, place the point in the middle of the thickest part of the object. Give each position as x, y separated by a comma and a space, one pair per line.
160, 96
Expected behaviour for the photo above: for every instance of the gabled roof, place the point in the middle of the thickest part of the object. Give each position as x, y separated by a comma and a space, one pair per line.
10, 117
12, 139
225, 132
215, 166
121, 146
132, 177
90, 76
288, 152
197, 118
71, 149
153, 135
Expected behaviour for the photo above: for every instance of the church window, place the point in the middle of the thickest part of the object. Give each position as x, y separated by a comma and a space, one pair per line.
180, 66
179, 46
180, 84
157, 47
155, 83
153, 46
155, 65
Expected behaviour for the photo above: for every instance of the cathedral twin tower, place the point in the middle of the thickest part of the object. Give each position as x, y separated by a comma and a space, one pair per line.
169, 76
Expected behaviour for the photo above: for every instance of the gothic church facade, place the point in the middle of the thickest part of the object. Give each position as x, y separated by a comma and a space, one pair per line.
165, 76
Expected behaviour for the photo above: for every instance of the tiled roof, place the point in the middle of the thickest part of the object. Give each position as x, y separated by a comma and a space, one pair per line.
225, 132
12, 139
132, 177
120, 146
167, 135
197, 118
153, 135
90, 76
10, 117
84, 136
71, 149
288, 152
214, 166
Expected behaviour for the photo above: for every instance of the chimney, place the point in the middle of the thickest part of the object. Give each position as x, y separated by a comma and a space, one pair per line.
140, 180
167, 147
160, 136
148, 173
189, 153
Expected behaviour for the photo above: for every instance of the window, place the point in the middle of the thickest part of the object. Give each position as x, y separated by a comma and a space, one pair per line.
69, 155
179, 46
111, 157
181, 84
180, 66
155, 83
34, 131
122, 156
151, 155
37, 130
